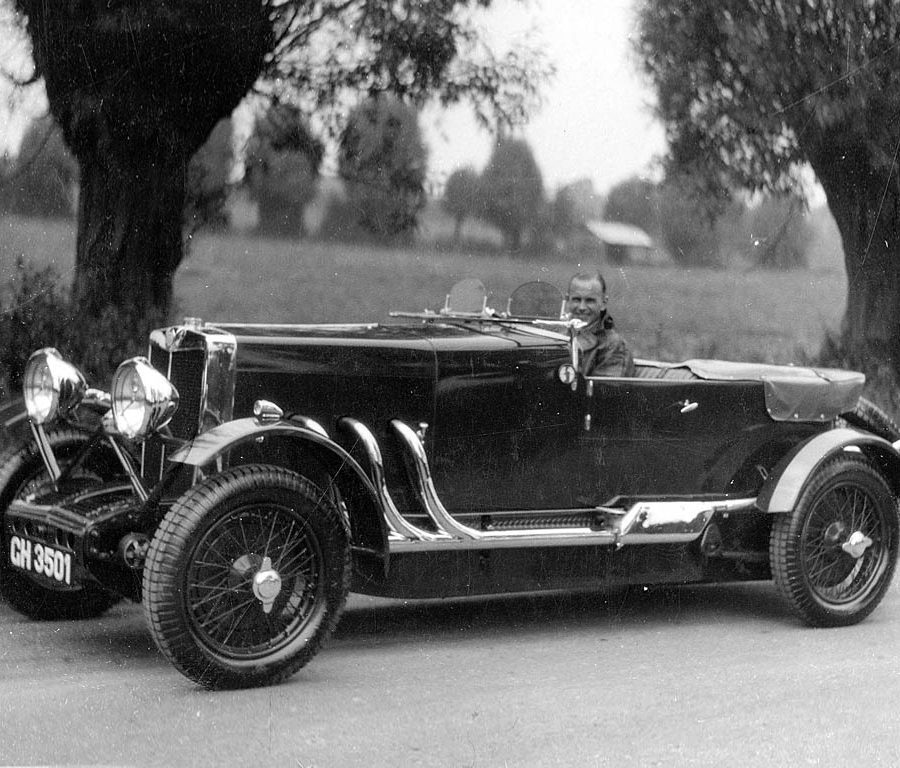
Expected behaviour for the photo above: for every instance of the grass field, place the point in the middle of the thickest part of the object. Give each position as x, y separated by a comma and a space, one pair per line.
666, 313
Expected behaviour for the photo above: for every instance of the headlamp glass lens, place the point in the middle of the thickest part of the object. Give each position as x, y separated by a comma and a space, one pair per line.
129, 402
143, 400
51, 387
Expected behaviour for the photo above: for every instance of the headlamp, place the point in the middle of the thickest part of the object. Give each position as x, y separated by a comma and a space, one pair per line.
143, 400
52, 387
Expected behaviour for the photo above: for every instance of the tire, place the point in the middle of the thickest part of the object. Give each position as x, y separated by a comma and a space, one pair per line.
868, 416
22, 472
825, 584
203, 586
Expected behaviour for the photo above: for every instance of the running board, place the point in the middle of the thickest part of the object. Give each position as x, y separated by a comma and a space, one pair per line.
646, 522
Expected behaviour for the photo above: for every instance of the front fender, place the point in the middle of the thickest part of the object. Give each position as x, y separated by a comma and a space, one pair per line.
783, 488
208, 446
367, 521
13, 420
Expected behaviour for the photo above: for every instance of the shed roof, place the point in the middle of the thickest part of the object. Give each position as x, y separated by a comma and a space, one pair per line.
619, 233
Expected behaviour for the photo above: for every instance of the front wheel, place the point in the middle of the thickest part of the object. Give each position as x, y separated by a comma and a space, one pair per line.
833, 556
246, 577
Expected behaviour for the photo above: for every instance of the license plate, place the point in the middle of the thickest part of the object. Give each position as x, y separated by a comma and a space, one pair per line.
42, 559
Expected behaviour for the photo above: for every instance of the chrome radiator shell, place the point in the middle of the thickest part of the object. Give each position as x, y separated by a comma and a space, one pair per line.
200, 361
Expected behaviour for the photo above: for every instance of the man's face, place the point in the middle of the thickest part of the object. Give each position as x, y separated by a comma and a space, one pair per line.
586, 300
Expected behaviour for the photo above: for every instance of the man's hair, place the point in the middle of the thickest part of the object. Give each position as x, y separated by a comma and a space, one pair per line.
587, 276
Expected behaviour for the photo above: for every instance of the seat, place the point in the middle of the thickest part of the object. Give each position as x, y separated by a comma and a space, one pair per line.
672, 372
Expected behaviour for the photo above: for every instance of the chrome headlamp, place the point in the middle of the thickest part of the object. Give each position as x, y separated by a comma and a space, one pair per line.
143, 400
52, 387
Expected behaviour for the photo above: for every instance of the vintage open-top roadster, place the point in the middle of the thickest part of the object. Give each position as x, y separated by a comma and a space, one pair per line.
241, 479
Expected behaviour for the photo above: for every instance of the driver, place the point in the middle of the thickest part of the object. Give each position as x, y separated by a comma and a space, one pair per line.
603, 351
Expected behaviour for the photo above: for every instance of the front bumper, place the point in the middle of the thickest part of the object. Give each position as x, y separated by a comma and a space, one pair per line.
62, 542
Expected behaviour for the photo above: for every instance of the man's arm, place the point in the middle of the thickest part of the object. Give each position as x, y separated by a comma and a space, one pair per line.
612, 358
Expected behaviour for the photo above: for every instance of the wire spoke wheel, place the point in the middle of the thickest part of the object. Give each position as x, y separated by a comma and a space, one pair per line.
833, 573
247, 576
228, 612
834, 556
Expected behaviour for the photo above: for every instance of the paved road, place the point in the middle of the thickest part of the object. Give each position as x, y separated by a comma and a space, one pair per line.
701, 676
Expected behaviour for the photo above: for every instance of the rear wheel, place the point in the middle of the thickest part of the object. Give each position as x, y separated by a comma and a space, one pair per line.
246, 577
22, 472
868, 416
833, 556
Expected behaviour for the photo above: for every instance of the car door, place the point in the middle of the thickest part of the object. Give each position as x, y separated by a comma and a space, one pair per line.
671, 437
507, 429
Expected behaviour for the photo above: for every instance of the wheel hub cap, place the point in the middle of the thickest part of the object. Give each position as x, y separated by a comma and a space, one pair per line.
266, 584
857, 544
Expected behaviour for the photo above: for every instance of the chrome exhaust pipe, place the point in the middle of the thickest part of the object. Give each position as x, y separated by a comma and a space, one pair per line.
398, 526
441, 518
643, 522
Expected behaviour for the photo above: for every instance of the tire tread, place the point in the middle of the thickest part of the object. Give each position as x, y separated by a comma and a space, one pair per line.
785, 558
162, 571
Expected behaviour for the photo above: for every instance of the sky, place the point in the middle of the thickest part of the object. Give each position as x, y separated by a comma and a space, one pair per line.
596, 120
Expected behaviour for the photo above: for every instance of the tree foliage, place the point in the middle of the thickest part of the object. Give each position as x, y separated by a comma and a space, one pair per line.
462, 197
282, 168
513, 190
677, 216
332, 51
42, 180
749, 90
686, 227
33, 312
137, 87
36, 311
208, 179
778, 232
574, 204
635, 200
771, 233
382, 161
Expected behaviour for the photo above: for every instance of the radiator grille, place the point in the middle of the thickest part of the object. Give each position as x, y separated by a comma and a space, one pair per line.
200, 361
187, 373
185, 369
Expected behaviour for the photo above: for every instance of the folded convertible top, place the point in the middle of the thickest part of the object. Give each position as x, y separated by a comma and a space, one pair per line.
792, 392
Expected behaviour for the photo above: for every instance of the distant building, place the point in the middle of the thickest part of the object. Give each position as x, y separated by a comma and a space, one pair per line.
622, 243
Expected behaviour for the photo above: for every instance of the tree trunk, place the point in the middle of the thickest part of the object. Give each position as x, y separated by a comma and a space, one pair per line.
137, 87
864, 204
457, 229
129, 235
514, 239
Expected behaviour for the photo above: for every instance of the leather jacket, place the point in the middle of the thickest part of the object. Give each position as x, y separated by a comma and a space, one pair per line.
604, 351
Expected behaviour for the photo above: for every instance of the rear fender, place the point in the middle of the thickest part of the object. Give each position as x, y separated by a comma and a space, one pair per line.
301, 449
783, 488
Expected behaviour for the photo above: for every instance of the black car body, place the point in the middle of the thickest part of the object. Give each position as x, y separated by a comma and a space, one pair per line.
441, 454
